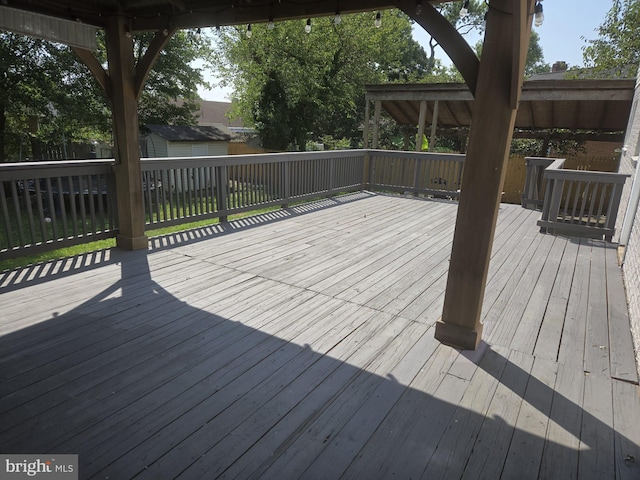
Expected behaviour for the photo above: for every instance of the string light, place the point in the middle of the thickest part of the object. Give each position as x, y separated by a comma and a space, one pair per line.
418, 7
378, 21
270, 25
337, 19
464, 11
539, 16
249, 32
307, 27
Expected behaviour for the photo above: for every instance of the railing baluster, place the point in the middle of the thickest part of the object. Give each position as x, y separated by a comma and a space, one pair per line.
7, 219
16, 206
600, 212
92, 207
593, 193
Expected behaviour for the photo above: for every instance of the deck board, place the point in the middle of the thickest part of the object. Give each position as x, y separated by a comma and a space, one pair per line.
299, 344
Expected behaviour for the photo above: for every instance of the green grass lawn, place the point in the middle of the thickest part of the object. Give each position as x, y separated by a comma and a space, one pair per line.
13, 263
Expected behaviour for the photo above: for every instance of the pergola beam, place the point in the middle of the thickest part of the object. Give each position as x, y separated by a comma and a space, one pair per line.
451, 41
145, 65
94, 66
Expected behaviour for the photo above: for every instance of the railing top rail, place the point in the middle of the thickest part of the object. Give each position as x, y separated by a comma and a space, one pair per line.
541, 160
226, 160
19, 171
453, 157
556, 171
586, 176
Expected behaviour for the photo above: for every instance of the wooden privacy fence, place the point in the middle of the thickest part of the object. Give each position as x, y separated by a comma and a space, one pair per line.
47, 205
578, 202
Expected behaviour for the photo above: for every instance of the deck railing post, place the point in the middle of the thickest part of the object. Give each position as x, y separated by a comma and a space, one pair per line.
222, 188
416, 175
612, 211
286, 180
332, 168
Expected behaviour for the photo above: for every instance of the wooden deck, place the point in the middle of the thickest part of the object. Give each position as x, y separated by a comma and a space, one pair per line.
299, 344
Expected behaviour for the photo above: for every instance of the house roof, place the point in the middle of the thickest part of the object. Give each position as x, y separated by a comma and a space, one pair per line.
187, 133
602, 105
216, 113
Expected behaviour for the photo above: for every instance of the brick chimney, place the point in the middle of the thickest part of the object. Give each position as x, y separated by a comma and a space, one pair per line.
559, 66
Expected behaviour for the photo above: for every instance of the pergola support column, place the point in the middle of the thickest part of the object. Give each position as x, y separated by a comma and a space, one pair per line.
434, 127
484, 172
376, 124
122, 74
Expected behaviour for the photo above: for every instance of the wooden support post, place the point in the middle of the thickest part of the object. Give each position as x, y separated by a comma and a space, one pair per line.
434, 127
376, 124
422, 118
122, 74
484, 170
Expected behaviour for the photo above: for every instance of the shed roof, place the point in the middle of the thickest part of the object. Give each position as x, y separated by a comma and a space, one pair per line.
602, 105
187, 133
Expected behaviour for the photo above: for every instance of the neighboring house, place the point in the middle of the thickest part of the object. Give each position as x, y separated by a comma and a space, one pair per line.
217, 113
185, 141
214, 113
628, 227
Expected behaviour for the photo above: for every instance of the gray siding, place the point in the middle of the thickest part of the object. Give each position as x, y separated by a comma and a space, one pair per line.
185, 149
631, 267
156, 146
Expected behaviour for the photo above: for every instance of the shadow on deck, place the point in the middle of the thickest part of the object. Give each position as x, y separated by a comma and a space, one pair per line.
169, 364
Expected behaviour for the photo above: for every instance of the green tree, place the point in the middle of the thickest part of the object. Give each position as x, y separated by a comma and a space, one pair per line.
473, 21
534, 62
47, 96
618, 47
295, 86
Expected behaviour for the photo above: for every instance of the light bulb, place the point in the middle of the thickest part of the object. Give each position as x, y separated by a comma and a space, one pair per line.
418, 7
539, 16
307, 27
270, 25
337, 19
464, 11
378, 21
249, 32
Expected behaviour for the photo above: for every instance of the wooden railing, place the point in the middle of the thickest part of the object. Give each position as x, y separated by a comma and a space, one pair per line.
193, 188
436, 174
533, 193
580, 202
47, 205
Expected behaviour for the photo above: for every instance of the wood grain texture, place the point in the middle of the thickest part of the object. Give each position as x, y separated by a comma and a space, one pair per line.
302, 346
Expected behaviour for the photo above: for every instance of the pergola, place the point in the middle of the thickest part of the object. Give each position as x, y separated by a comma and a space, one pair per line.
495, 83
595, 110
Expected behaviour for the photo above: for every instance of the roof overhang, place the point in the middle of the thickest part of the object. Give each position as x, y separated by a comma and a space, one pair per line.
601, 105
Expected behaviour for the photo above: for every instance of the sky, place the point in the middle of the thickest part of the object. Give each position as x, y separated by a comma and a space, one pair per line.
567, 23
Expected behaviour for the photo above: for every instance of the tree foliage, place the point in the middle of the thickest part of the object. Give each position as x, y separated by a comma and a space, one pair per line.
294, 85
618, 46
48, 96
